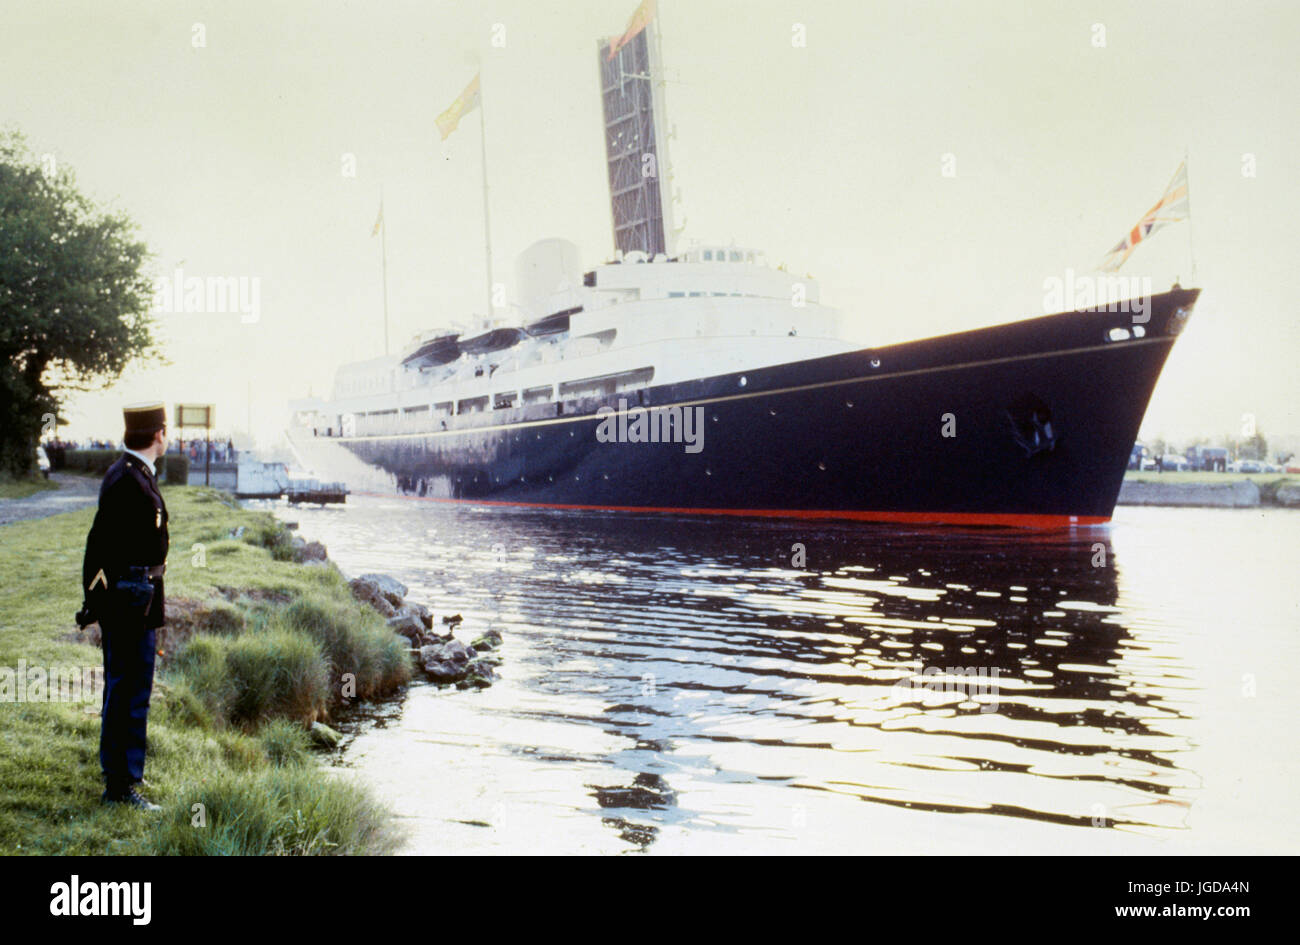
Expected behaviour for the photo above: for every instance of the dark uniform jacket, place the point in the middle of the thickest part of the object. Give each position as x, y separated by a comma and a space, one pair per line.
130, 530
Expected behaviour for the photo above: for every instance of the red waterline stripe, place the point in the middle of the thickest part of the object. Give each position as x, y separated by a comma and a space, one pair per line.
1011, 519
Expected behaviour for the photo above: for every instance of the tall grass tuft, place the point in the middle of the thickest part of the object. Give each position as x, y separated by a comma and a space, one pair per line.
288, 811
257, 676
276, 672
181, 705
285, 743
355, 641
201, 665
267, 532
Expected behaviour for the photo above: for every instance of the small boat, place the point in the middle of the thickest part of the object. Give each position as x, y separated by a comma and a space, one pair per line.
554, 324
440, 349
493, 339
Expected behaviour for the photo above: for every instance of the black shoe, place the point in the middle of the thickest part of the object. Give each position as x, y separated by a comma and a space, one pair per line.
129, 797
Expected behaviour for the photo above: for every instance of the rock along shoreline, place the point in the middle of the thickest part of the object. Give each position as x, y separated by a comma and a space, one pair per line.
445, 660
1238, 494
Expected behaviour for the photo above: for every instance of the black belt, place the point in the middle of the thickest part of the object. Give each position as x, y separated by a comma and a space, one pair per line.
154, 571
158, 570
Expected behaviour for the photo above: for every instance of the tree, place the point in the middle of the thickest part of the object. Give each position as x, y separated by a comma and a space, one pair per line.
74, 299
1255, 446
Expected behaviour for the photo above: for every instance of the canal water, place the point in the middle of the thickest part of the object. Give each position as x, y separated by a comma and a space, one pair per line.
690, 685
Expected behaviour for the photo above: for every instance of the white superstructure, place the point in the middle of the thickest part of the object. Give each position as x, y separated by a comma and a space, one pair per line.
631, 324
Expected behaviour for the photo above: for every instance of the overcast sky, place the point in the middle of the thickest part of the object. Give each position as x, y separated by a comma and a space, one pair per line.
829, 156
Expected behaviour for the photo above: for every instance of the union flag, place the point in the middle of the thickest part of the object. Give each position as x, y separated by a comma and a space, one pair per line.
1173, 206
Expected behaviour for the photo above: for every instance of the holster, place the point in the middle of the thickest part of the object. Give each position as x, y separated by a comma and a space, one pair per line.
132, 594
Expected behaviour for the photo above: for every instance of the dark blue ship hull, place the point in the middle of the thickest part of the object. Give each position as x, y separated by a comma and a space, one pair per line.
1027, 424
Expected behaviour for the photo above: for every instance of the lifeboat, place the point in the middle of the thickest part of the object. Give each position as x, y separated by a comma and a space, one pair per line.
441, 349
494, 339
554, 324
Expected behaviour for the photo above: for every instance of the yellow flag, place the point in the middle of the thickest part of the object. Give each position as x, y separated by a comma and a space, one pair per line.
640, 20
466, 103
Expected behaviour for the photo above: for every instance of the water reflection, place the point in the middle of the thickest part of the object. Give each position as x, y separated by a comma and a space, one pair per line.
719, 677
707, 647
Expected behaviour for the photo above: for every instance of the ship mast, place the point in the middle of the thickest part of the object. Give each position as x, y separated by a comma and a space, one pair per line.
487, 220
468, 100
1191, 252
383, 250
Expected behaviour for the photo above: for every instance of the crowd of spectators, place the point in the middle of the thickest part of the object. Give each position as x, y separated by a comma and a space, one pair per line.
60, 444
222, 451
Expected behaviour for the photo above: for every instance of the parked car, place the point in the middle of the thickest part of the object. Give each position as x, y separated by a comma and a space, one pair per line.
1251, 466
1172, 462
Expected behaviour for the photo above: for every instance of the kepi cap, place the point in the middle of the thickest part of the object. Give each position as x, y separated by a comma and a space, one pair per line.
147, 417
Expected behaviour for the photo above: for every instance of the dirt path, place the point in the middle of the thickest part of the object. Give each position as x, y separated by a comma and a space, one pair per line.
73, 493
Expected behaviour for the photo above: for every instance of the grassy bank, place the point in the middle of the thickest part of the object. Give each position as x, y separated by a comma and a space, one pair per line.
257, 647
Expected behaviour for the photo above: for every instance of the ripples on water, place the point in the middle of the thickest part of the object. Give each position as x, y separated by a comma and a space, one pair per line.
688, 684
